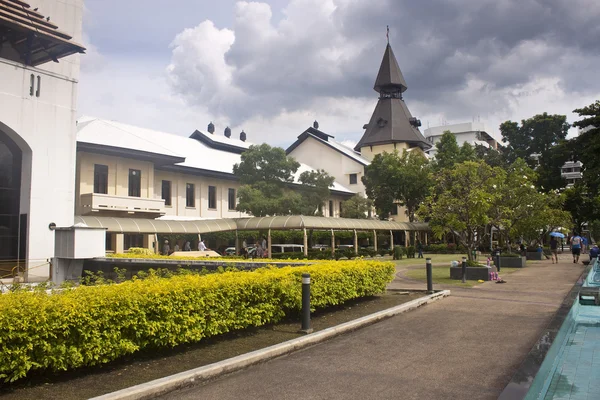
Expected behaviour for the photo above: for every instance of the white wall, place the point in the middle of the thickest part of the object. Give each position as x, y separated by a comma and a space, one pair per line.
44, 127
320, 156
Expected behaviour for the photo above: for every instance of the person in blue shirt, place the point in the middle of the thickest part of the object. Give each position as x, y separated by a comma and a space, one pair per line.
576, 242
584, 244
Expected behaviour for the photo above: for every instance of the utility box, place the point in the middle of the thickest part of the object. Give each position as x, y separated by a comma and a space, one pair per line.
72, 246
78, 242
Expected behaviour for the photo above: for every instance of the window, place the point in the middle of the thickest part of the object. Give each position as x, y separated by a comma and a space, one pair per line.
100, 178
330, 208
166, 192
135, 182
212, 197
353, 179
132, 240
394, 210
341, 208
190, 195
231, 198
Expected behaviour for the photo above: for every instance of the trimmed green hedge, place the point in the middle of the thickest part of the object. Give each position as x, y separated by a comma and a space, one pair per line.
93, 325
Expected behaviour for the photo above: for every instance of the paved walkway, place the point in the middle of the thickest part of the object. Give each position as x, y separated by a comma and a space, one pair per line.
466, 346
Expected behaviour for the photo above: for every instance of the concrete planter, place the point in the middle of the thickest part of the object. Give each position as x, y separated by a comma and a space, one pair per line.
511, 262
473, 273
534, 255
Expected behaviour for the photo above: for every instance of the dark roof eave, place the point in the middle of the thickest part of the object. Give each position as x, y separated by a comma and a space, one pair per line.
199, 172
230, 148
157, 159
418, 143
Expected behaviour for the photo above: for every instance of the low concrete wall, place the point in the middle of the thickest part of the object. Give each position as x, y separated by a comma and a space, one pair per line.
511, 262
534, 255
473, 273
135, 265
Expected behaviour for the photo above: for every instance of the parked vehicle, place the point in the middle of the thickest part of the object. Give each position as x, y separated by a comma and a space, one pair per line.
230, 251
287, 248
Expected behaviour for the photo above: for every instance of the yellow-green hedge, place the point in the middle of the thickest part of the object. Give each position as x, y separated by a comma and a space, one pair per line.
94, 325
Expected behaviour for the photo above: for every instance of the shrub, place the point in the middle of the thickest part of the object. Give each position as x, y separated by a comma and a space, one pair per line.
93, 325
398, 252
140, 251
410, 252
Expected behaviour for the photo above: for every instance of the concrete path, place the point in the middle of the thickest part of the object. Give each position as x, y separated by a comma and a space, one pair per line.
467, 346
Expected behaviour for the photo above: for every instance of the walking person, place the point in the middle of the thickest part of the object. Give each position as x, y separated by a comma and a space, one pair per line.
576, 242
594, 252
187, 246
166, 248
554, 249
201, 245
584, 244
420, 249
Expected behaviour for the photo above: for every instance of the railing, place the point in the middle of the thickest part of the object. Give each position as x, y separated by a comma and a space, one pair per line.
96, 202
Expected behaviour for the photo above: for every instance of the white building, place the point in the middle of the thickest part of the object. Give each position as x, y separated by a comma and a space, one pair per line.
321, 150
468, 132
39, 69
571, 171
128, 171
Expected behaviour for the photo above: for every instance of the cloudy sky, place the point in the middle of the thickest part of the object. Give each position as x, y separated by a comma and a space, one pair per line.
273, 67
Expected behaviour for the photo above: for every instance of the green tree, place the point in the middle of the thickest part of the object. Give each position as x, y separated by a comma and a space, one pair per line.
532, 141
447, 151
381, 182
492, 157
467, 153
265, 173
392, 178
461, 202
581, 204
356, 207
314, 192
414, 182
587, 145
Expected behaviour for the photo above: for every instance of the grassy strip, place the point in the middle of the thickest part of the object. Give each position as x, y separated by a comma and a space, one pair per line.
441, 275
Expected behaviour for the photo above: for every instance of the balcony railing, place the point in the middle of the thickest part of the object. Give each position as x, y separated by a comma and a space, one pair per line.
96, 202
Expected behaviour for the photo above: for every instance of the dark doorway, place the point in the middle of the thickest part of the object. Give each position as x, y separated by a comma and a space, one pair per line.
11, 250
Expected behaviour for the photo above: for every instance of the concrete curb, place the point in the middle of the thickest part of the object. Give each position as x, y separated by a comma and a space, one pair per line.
167, 384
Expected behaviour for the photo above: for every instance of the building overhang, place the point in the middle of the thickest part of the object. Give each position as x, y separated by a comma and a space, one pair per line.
157, 159
228, 147
33, 37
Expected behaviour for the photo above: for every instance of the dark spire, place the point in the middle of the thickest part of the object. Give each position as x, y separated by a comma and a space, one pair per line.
243, 136
211, 128
228, 132
391, 121
316, 125
389, 79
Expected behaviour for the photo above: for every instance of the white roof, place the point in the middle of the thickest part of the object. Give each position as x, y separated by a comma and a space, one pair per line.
197, 154
225, 140
346, 150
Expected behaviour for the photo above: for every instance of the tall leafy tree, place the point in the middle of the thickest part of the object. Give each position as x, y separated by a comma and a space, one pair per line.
266, 174
381, 182
392, 178
414, 182
314, 192
492, 157
587, 145
447, 151
461, 201
356, 207
582, 205
533, 141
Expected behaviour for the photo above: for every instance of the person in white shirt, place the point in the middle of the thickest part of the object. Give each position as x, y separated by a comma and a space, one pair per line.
201, 246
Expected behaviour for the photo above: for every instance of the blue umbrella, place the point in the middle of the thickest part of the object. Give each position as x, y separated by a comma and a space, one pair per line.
557, 234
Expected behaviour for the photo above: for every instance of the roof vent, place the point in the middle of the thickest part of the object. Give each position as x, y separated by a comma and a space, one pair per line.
211, 128
243, 136
228, 132
415, 122
381, 122
316, 125
365, 126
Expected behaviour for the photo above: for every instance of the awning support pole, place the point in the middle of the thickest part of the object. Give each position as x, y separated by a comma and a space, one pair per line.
156, 244
355, 242
332, 244
305, 243
237, 243
269, 244
391, 239
375, 240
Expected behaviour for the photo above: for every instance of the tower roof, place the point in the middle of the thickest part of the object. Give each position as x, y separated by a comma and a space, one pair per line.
391, 121
389, 78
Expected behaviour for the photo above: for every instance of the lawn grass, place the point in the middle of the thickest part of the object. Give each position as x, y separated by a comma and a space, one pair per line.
441, 275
